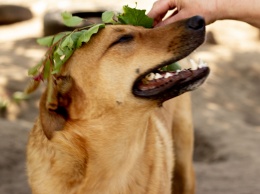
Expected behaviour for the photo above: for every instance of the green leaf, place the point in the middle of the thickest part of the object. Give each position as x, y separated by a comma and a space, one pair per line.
70, 41
86, 35
45, 41
34, 70
136, 17
59, 51
46, 70
67, 42
171, 67
59, 60
19, 96
70, 20
50, 40
109, 17
59, 36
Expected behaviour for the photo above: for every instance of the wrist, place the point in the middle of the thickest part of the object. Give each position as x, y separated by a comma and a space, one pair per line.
226, 10
237, 10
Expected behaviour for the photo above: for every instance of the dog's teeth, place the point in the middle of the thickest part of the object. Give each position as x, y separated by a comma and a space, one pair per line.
178, 71
158, 76
150, 76
194, 65
167, 75
202, 63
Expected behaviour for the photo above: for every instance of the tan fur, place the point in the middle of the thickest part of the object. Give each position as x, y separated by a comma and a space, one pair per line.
94, 136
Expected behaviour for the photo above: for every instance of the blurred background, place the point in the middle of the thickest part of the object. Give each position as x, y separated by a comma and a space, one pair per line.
226, 108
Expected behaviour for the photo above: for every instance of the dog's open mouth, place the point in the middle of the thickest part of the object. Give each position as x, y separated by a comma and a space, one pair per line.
165, 83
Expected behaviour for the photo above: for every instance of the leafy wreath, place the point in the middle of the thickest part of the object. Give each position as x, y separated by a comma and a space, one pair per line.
62, 45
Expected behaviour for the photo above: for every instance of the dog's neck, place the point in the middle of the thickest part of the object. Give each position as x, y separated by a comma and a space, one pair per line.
119, 130
116, 148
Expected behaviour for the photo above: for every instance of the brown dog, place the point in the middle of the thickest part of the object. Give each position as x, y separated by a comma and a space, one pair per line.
103, 132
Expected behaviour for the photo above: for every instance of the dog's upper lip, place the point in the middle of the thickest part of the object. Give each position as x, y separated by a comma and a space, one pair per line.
170, 85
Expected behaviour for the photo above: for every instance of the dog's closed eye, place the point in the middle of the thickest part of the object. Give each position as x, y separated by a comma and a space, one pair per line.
123, 39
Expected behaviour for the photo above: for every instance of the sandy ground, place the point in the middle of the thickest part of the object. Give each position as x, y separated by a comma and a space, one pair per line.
226, 109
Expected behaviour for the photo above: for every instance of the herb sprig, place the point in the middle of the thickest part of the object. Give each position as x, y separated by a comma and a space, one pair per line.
61, 46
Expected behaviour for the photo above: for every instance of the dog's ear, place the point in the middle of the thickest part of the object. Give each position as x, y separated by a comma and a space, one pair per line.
54, 105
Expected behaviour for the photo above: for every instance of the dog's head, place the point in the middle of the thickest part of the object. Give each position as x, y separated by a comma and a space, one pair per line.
111, 71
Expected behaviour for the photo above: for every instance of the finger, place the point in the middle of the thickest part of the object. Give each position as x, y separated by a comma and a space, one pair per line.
175, 17
160, 8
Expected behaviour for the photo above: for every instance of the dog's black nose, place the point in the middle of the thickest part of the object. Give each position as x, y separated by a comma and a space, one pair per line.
196, 23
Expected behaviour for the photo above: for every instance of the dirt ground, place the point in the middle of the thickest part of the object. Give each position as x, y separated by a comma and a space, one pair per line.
226, 108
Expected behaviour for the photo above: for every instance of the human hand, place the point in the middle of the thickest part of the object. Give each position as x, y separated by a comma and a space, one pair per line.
183, 9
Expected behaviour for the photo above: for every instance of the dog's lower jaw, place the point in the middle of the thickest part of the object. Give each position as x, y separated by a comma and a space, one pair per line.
121, 162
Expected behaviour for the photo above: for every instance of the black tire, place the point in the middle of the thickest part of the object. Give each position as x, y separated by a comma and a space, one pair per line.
52, 21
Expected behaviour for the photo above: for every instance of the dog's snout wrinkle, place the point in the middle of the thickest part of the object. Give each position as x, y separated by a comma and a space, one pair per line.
196, 23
